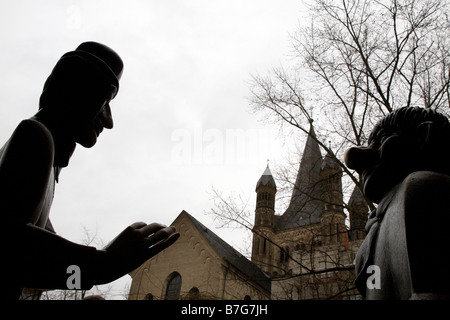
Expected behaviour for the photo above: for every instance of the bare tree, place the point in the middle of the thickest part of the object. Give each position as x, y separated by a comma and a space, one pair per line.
353, 61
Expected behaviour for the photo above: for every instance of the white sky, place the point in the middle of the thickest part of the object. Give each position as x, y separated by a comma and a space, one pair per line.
182, 120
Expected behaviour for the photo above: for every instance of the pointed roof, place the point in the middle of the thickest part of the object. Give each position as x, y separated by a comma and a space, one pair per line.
358, 209
232, 256
357, 198
329, 161
266, 179
304, 207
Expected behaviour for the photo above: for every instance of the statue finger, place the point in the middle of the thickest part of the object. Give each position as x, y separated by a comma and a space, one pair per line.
138, 225
162, 244
160, 235
150, 229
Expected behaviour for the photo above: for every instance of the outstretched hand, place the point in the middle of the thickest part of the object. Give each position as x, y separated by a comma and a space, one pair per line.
132, 247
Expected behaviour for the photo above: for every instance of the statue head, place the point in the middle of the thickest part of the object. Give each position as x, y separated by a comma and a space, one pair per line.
78, 91
406, 140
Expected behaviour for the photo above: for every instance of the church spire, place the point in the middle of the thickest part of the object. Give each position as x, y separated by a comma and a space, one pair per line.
304, 208
266, 180
329, 160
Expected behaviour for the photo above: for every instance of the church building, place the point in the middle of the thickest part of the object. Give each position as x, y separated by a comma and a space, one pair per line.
307, 252
198, 266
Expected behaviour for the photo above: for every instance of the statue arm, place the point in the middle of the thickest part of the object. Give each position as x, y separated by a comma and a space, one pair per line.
38, 258
41, 259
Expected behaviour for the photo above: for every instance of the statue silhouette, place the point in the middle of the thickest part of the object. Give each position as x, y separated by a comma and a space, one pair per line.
405, 169
73, 109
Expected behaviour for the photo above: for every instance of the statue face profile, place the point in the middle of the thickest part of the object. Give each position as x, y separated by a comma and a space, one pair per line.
407, 140
88, 116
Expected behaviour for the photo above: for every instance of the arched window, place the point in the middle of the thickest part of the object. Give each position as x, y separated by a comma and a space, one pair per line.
282, 254
295, 293
148, 296
194, 294
173, 287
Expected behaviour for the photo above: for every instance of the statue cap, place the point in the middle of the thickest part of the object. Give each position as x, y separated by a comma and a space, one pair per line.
102, 56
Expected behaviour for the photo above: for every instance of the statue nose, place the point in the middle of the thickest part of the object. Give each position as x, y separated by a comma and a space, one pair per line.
360, 158
106, 117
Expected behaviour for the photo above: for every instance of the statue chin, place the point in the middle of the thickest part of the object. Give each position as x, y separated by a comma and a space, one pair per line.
374, 188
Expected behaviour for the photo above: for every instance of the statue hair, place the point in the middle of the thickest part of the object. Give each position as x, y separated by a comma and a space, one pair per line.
405, 122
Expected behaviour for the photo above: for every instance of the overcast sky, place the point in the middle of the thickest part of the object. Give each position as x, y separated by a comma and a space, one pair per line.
181, 119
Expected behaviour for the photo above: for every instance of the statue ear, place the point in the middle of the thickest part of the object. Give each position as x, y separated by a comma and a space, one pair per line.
431, 137
433, 140
394, 148
425, 132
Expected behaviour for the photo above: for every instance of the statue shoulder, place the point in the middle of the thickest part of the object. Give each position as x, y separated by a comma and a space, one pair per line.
421, 183
426, 197
31, 143
30, 132
33, 130
426, 209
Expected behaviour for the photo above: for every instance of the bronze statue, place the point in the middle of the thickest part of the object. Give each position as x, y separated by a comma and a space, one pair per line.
73, 109
405, 169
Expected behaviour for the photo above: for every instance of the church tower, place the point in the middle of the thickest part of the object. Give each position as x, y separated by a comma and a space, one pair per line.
303, 249
333, 216
262, 250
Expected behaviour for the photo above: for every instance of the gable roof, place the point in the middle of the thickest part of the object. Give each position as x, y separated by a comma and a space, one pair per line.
231, 255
